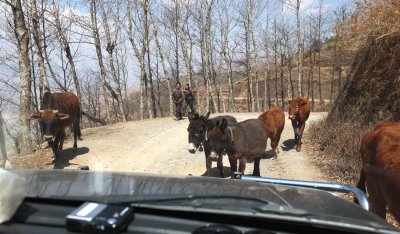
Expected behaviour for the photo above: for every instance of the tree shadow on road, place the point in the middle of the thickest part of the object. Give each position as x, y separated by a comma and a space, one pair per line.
288, 145
215, 172
68, 154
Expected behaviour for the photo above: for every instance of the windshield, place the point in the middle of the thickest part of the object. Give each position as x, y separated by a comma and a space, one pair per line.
278, 89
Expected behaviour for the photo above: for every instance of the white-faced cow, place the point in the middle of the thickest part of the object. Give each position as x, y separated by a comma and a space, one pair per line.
59, 111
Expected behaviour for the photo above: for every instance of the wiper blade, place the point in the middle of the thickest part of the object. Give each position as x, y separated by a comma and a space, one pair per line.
189, 197
266, 207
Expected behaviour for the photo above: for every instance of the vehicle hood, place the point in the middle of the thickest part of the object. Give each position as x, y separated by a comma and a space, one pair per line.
70, 184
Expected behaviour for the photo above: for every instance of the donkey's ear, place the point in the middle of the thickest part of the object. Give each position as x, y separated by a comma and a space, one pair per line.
206, 116
224, 124
190, 117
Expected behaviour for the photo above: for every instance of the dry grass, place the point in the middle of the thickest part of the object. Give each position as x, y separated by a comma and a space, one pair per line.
337, 147
371, 94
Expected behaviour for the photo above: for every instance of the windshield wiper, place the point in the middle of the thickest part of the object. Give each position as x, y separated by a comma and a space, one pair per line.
200, 201
165, 199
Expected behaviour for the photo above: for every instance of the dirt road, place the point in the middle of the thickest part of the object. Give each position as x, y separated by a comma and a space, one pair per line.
160, 146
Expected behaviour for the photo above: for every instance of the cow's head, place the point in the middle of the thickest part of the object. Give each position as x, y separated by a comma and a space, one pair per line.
48, 120
295, 105
293, 108
217, 139
197, 129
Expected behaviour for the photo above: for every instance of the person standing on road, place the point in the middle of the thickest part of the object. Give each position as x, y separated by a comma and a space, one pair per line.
177, 97
189, 99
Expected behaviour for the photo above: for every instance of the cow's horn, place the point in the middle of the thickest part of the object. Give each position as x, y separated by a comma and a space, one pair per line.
206, 138
55, 111
41, 111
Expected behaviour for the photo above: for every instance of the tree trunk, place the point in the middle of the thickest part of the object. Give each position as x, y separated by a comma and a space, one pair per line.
176, 25
267, 92
256, 71
276, 64
250, 94
232, 97
281, 75
151, 103
46, 56
299, 51
333, 71
3, 150
140, 56
67, 50
110, 49
103, 73
321, 100
44, 83
22, 36
166, 74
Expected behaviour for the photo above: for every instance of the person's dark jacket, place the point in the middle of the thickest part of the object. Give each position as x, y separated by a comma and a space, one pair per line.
188, 95
177, 96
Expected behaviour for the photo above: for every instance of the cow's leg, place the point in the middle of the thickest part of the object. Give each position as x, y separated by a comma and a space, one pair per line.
361, 185
220, 166
233, 164
277, 139
242, 165
294, 125
55, 146
273, 146
391, 191
62, 138
256, 170
301, 129
77, 134
376, 199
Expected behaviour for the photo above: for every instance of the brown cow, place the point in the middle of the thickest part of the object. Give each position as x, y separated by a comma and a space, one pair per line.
380, 154
274, 122
299, 110
246, 139
58, 111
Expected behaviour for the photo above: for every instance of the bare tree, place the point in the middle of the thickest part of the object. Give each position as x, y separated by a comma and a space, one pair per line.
103, 73
110, 49
140, 55
151, 103
3, 151
162, 58
67, 49
267, 89
295, 5
203, 18
226, 25
319, 38
22, 36
37, 36
246, 14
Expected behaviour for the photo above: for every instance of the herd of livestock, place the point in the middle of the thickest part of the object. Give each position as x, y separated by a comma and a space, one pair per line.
380, 148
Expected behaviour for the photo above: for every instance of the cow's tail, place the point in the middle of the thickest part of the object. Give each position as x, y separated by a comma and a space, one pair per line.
361, 184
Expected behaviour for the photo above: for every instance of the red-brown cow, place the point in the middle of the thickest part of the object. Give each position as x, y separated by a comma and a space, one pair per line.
58, 111
380, 154
274, 122
299, 110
